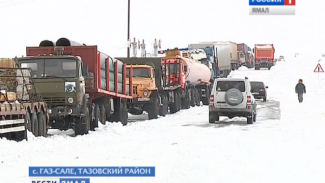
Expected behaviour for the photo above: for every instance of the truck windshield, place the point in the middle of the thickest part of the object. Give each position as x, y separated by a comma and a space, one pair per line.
170, 68
139, 72
51, 68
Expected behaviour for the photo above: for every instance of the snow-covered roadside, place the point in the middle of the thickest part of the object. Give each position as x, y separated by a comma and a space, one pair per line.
184, 147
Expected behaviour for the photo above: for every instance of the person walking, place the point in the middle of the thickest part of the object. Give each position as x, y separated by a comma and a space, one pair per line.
300, 90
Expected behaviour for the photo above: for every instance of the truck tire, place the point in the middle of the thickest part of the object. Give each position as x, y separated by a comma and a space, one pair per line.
153, 108
193, 98
42, 126
120, 112
257, 67
234, 97
94, 122
186, 100
22, 135
174, 106
82, 125
206, 100
124, 113
34, 125
179, 101
163, 110
197, 98
102, 117
28, 121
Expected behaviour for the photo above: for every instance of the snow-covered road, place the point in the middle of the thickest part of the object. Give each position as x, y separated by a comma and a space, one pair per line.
286, 144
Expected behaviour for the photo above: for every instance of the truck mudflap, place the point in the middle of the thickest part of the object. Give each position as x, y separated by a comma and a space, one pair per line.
8, 126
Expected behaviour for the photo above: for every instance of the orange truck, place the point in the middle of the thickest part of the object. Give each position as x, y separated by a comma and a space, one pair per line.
264, 56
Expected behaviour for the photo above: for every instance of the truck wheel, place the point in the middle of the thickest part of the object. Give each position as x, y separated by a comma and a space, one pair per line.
124, 113
192, 102
179, 101
22, 135
174, 106
42, 126
34, 125
102, 117
186, 100
153, 108
28, 121
163, 110
257, 67
83, 124
94, 122
197, 98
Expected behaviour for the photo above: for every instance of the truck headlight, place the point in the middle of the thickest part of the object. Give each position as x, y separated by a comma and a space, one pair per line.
70, 86
145, 94
70, 100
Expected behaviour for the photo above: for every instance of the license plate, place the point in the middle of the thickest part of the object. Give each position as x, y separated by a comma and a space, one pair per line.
143, 99
221, 106
255, 93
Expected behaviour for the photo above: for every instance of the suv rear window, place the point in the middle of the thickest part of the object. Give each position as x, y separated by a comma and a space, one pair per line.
226, 85
257, 85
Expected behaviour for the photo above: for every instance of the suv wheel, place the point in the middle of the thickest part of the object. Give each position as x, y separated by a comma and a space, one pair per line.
254, 117
250, 119
213, 118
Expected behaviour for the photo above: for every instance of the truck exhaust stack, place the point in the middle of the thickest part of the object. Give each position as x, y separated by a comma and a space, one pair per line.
46, 43
66, 42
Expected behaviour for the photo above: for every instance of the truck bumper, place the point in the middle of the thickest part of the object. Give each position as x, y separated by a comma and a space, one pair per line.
9, 126
63, 111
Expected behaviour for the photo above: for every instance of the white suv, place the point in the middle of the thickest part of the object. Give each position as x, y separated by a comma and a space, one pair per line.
232, 97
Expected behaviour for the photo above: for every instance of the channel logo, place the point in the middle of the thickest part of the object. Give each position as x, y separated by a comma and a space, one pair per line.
272, 7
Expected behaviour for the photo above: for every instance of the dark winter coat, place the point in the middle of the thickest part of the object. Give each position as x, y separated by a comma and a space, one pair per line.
300, 88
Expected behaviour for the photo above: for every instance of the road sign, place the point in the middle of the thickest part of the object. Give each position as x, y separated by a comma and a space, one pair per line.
319, 68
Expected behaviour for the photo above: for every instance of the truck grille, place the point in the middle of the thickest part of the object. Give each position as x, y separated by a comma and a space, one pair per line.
54, 100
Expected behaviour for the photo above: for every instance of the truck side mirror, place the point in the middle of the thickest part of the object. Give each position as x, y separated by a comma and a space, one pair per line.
253, 50
85, 70
185, 68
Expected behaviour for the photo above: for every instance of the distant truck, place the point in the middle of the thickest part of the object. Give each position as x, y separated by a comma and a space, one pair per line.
226, 54
20, 111
80, 85
150, 93
243, 55
264, 56
206, 56
251, 57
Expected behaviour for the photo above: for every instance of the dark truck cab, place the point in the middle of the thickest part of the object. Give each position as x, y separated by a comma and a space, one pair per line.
81, 85
60, 81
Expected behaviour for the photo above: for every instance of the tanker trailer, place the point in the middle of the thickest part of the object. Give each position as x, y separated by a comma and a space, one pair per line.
197, 77
194, 78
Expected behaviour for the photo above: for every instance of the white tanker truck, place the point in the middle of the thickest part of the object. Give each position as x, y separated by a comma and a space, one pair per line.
194, 78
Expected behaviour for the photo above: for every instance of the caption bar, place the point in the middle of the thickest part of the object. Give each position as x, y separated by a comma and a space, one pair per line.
92, 171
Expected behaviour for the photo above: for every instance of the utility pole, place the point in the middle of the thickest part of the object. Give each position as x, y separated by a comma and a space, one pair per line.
128, 49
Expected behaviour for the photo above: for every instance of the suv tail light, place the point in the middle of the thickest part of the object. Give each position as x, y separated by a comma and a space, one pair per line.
249, 100
212, 99
261, 90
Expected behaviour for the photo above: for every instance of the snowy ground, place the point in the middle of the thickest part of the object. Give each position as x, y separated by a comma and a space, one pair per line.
286, 144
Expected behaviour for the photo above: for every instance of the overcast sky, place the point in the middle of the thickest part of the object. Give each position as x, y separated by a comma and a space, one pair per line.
176, 22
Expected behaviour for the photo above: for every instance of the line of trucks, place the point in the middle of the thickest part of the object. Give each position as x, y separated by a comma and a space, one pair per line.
224, 56
65, 84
